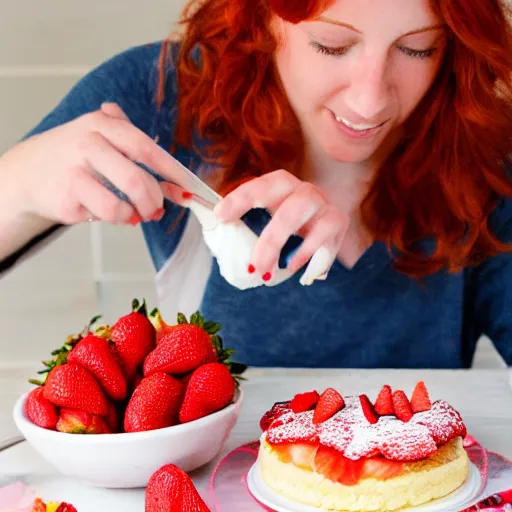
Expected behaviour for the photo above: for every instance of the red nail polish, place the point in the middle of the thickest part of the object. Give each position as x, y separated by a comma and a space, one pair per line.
186, 195
267, 276
158, 214
251, 269
135, 219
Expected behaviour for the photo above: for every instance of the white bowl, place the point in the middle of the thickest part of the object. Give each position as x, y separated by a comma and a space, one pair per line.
128, 460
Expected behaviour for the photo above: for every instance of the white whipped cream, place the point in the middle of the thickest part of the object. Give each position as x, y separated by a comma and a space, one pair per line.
232, 244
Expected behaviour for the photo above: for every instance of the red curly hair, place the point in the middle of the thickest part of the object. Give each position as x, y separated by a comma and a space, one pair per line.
443, 181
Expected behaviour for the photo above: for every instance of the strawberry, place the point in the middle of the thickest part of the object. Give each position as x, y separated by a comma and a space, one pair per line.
40, 410
73, 387
420, 401
302, 454
134, 338
333, 465
305, 401
210, 389
384, 403
112, 418
154, 404
66, 507
329, 403
277, 410
381, 468
79, 422
161, 327
94, 354
183, 348
401, 406
368, 410
170, 489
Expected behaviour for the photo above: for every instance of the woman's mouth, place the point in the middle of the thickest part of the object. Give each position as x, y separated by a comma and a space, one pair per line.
357, 130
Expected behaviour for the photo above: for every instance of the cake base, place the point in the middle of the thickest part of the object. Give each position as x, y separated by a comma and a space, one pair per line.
421, 482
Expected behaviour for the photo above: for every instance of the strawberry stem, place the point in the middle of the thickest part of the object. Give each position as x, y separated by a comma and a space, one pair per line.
140, 308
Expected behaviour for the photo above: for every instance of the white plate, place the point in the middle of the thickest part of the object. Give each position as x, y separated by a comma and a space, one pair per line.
458, 499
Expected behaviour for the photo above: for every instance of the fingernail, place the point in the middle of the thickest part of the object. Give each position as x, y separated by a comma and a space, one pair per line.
267, 276
135, 219
251, 269
186, 195
158, 214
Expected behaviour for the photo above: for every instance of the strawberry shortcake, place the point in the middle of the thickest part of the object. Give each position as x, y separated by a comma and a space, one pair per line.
348, 453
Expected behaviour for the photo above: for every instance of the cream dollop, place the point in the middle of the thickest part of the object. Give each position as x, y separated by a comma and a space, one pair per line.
232, 244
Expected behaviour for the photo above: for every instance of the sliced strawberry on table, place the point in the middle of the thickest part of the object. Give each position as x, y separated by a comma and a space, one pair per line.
154, 404
170, 489
368, 410
384, 402
79, 422
277, 410
210, 388
401, 406
73, 387
329, 403
420, 401
304, 401
95, 355
40, 410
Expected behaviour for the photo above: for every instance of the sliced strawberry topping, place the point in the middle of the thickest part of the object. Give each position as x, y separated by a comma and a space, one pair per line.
304, 401
420, 400
334, 466
301, 454
381, 468
384, 402
278, 409
329, 403
368, 410
401, 406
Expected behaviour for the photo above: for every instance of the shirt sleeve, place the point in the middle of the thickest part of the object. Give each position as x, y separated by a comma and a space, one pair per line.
128, 79
491, 288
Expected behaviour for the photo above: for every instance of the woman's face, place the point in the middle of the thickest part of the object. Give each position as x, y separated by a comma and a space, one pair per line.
355, 74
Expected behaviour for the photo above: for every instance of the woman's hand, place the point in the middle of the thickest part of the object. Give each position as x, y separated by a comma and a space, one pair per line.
297, 207
57, 174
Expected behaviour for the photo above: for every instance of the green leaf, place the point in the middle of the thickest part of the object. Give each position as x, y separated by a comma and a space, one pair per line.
36, 382
182, 319
212, 327
237, 368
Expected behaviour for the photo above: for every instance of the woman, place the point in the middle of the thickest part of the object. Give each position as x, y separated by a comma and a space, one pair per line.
377, 130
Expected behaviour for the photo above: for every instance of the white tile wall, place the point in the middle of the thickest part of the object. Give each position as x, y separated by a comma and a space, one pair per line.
45, 47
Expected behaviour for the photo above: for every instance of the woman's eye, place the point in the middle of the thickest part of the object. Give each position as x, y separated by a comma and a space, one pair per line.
328, 50
418, 54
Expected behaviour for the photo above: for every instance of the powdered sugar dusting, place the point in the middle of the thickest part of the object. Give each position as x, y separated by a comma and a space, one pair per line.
355, 437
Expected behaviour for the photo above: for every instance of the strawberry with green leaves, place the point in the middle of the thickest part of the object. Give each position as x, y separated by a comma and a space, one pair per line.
134, 337
40, 410
184, 347
95, 355
73, 387
210, 388
170, 489
154, 404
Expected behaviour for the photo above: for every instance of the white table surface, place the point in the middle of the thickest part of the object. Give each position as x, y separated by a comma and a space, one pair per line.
483, 397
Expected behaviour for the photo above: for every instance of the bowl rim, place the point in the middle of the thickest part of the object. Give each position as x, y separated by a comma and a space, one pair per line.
25, 425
